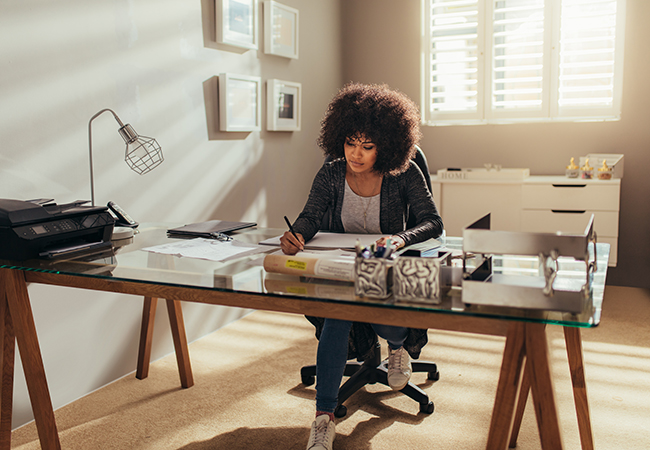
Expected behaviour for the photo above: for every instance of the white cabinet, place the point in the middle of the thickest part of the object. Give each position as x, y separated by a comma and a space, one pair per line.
462, 202
536, 204
561, 204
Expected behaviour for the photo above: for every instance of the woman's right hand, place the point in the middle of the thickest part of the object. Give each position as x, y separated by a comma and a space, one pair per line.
290, 245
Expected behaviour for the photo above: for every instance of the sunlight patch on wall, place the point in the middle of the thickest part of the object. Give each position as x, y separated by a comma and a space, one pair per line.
257, 210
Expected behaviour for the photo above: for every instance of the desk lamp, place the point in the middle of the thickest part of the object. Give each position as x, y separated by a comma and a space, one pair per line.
143, 154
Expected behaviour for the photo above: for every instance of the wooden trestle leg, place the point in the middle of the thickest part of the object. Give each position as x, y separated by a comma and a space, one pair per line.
21, 318
178, 335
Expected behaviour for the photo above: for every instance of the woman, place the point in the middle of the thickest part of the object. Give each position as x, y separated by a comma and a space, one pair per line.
370, 186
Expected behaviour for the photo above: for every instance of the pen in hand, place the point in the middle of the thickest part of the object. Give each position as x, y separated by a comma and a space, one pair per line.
291, 229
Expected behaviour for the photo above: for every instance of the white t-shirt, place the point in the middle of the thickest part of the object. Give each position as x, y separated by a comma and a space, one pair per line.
360, 214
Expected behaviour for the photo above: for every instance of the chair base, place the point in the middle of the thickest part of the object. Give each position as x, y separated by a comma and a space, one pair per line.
372, 371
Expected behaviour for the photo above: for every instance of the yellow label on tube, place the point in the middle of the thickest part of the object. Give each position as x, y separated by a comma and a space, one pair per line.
293, 264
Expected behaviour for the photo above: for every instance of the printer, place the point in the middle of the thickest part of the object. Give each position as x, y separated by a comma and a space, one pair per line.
33, 229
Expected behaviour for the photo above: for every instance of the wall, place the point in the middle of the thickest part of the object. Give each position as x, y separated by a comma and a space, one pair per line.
153, 62
382, 45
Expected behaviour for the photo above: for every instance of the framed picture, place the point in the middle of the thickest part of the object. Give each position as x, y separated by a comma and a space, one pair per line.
283, 105
239, 102
237, 23
280, 30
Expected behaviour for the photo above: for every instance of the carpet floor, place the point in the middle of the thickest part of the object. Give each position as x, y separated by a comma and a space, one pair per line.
248, 393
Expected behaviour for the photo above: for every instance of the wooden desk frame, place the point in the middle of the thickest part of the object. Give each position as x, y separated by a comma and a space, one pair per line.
525, 364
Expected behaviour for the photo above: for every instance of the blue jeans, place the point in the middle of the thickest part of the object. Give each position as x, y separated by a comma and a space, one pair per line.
333, 354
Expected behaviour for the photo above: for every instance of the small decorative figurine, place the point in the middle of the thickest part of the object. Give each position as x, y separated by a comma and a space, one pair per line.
572, 171
586, 171
605, 172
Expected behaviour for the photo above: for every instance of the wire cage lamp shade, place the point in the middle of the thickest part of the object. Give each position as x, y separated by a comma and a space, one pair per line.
142, 154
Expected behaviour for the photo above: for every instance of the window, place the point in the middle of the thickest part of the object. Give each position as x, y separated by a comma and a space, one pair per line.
490, 61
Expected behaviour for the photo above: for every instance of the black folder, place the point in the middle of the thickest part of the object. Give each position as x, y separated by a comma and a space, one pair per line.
208, 229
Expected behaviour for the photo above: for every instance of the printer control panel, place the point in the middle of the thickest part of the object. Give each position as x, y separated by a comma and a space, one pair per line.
56, 227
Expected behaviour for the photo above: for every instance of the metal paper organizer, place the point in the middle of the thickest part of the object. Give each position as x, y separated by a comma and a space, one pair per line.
548, 289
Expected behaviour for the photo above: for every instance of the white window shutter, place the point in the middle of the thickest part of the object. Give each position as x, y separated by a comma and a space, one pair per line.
455, 81
587, 58
518, 60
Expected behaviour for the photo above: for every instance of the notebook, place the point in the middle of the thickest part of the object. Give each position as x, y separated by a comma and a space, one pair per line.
208, 229
324, 240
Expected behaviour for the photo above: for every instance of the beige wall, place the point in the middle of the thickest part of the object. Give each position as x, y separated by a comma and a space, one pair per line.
154, 62
381, 45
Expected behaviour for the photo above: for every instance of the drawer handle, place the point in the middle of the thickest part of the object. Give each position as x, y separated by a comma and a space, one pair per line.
570, 185
568, 211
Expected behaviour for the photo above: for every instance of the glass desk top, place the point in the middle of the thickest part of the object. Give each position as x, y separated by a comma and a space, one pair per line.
246, 274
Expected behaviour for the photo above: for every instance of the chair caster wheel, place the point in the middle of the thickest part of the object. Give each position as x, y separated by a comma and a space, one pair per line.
434, 376
426, 408
308, 381
340, 411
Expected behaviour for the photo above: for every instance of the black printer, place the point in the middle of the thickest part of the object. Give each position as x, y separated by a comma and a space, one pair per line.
29, 229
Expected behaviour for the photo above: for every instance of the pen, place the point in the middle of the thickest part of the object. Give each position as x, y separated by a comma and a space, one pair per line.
291, 228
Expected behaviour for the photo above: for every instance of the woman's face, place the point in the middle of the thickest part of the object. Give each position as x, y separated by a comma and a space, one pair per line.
360, 153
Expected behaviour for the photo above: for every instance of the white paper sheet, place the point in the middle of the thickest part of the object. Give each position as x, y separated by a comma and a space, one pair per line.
325, 240
210, 249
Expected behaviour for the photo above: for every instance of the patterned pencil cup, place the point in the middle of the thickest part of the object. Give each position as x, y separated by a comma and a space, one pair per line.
417, 279
372, 277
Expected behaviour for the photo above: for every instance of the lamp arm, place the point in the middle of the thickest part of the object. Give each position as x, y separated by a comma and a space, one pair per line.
90, 149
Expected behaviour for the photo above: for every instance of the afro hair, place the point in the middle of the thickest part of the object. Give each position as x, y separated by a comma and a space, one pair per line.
386, 117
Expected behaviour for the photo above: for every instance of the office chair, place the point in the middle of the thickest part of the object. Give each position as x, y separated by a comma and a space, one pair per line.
373, 369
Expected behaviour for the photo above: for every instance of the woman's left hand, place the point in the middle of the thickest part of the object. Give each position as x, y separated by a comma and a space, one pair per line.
395, 241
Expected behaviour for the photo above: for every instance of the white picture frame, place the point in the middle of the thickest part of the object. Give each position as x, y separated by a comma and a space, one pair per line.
236, 22
239, 102
283, 105
280, 30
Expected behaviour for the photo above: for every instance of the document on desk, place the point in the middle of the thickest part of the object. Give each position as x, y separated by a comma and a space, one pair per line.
210, 249
425, 247
325, 240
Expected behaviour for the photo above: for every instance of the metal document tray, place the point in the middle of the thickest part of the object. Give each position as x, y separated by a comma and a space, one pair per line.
551, 289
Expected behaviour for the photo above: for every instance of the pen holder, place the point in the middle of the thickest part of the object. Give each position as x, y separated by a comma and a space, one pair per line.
372, 277
419, 279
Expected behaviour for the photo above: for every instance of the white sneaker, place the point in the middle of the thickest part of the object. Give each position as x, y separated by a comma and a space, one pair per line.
399, 368
322, 433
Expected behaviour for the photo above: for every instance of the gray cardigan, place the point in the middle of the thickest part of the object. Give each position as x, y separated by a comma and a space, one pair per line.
401, 195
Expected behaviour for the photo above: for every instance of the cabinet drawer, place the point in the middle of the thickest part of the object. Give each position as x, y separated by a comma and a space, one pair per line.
547, 221
588, 196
